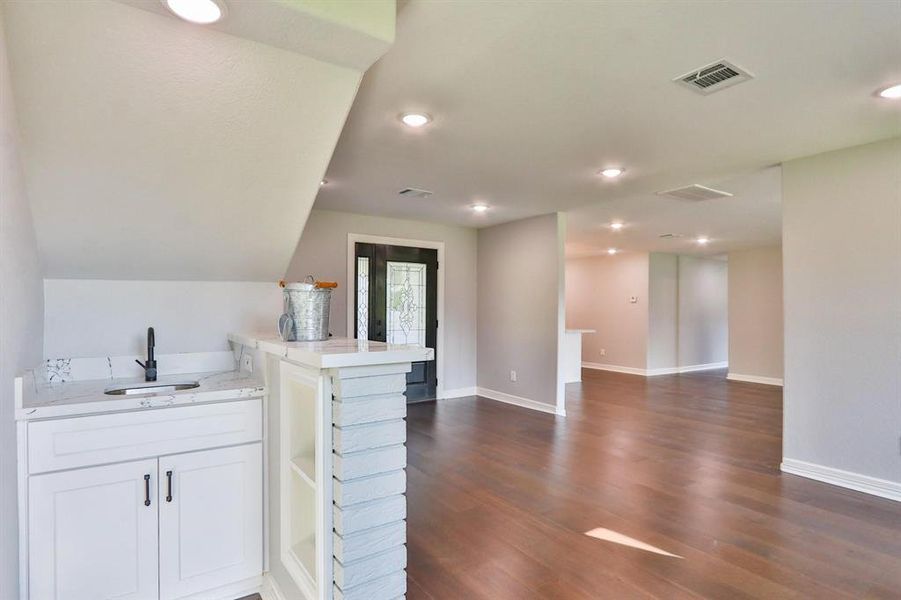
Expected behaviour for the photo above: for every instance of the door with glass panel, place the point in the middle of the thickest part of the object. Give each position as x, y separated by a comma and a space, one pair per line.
397, 302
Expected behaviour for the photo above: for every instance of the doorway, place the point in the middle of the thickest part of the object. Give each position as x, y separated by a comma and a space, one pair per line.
396, 301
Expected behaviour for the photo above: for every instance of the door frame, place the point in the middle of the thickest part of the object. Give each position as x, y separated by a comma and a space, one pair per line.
352, 239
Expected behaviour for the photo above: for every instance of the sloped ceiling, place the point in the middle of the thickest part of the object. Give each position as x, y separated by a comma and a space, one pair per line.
157, 149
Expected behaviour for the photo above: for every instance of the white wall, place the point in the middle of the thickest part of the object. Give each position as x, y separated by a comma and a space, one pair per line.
755, 313
841, 247
85, 317
322, 251
598, 289
703, 311
21, 313
663, 311
520, 308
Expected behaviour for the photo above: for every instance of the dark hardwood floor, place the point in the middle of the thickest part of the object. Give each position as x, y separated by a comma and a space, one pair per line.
500, 497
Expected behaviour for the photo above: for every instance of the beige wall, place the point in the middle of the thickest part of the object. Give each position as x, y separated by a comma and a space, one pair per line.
755, 313
598, 289
21, 314
520, 308
703, 309
680, 319
841, 245
322, 251
663, 311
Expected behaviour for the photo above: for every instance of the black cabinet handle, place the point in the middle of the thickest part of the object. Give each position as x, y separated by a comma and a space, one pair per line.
146, 490
169, 484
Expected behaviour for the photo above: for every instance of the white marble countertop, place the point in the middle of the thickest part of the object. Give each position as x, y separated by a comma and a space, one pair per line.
38, 399
335, 352
581, 331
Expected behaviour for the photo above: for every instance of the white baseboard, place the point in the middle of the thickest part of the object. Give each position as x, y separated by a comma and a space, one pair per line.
238, 589
615, 368
654, 372
754, 379
458, 393
706, 367
846, 479
519, 401
270, 590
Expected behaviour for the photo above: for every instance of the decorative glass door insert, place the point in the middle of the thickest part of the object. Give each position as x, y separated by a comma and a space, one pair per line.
362, 297
406, 302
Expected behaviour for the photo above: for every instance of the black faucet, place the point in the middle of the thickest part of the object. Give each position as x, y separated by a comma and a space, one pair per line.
149, 365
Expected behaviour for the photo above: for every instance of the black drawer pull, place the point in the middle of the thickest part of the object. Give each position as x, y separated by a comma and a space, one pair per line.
169, 488
146, 490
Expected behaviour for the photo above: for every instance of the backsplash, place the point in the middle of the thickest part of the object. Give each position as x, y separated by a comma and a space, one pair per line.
62, 370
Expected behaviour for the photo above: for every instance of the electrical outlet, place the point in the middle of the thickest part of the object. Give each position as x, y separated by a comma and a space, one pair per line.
247, 363
603, 352
633, 299
512, 375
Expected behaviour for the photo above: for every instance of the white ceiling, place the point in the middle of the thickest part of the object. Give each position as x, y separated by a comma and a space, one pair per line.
752, 217
530, 99
157, 149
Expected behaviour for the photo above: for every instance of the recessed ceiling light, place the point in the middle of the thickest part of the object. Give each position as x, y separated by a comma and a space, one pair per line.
612, 172
612, 251
479, 208
415, 119
703, 240
616, 226
202, 12
323, 182
892, 92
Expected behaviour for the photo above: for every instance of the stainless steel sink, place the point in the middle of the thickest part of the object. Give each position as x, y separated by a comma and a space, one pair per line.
154, 387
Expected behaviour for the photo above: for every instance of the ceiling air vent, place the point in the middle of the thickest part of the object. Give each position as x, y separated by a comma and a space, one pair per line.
695, 192
669, 236
714, 77
414, 193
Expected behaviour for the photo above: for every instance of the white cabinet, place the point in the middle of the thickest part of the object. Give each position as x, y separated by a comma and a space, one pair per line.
177, 519
93, 533
211, 519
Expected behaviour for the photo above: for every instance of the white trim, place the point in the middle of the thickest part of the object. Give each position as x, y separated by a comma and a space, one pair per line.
614, 368
519, 401
654, 372
22, 496
705, 367
754, 379
459, 393
352, 239
270, 590
846, 479
229, 591
560, 400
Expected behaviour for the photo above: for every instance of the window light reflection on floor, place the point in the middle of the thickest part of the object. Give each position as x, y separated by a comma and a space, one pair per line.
617, 538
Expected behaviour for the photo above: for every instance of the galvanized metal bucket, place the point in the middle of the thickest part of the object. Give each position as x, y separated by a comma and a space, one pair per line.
306, 312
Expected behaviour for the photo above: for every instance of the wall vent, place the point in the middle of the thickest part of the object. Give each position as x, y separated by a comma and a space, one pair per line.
713, 77
414, 193
695, 192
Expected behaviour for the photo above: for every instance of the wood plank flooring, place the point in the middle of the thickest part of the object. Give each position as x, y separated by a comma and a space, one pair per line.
500, 498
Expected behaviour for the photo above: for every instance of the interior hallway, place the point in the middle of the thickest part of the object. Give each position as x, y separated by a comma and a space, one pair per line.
499, 499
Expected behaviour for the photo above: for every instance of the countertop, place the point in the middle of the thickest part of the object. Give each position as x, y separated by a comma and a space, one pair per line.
335, 352
581, 331
38, 399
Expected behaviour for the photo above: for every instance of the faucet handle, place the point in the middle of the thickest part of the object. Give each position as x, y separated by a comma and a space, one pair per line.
143, 366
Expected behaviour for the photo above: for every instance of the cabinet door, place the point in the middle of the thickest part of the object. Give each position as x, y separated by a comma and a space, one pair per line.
211, 519
92, 533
